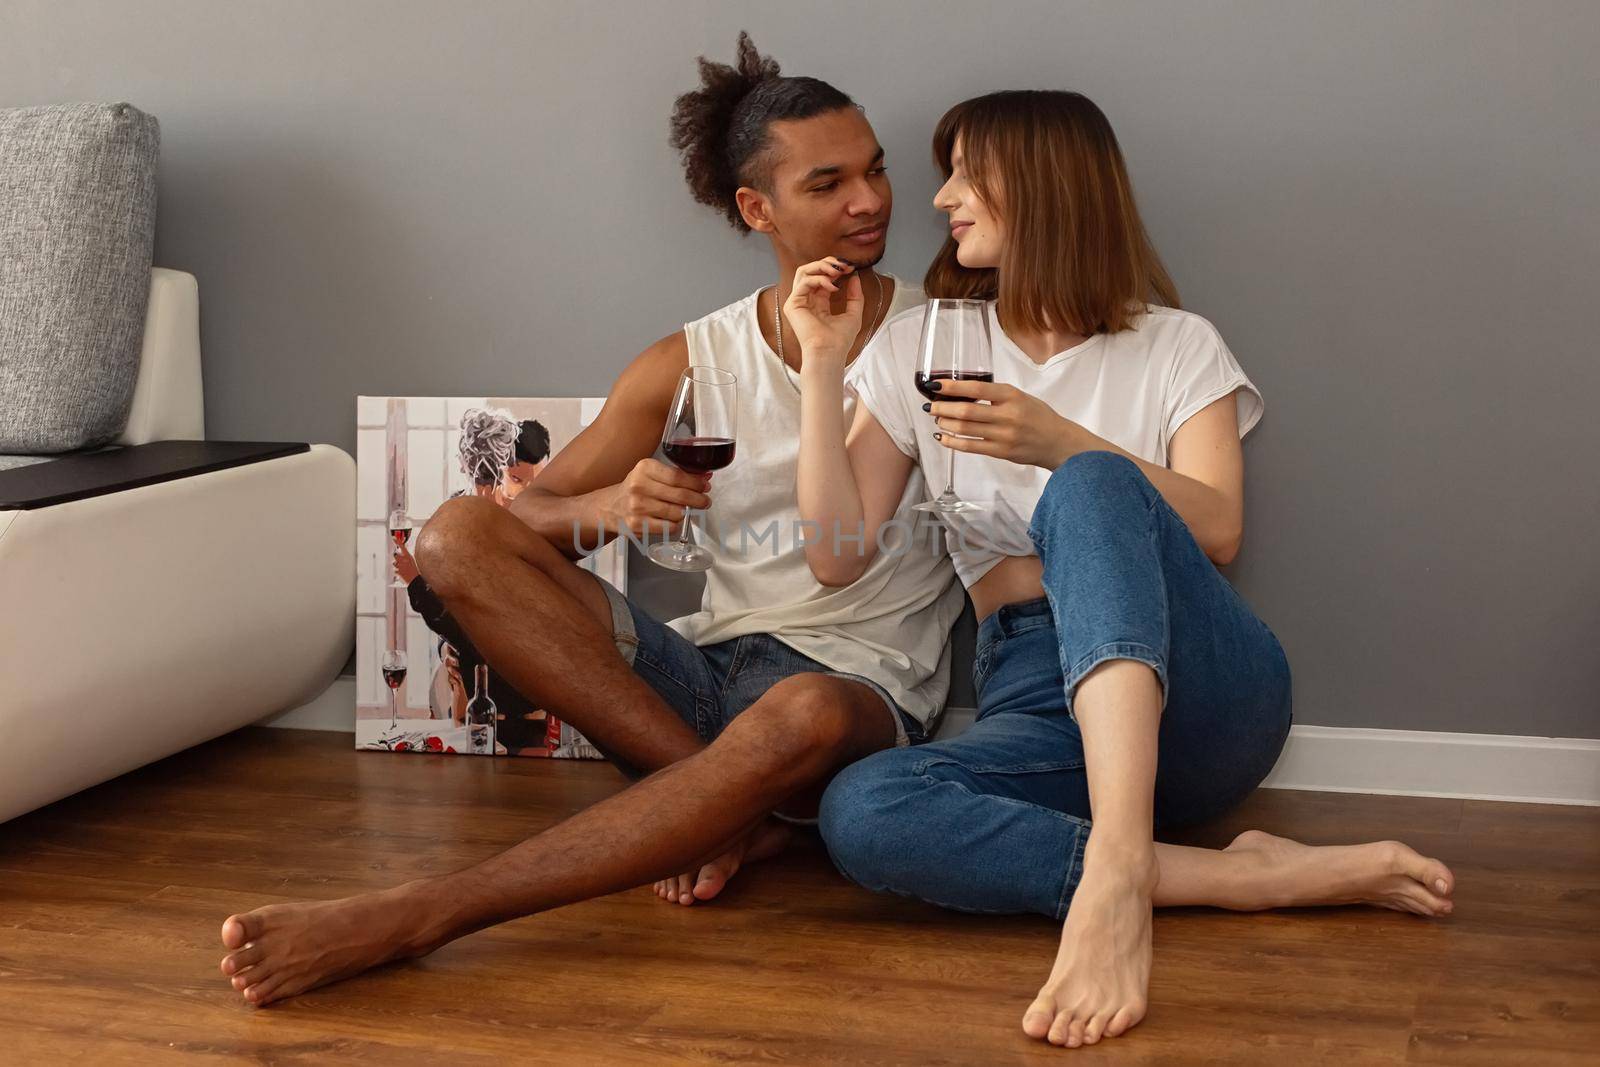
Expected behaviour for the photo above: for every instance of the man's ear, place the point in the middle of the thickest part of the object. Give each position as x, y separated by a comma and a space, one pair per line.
755, 206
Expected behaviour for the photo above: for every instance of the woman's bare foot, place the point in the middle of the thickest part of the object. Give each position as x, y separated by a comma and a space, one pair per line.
1385, 874
764, 842
285, 949
1101, 979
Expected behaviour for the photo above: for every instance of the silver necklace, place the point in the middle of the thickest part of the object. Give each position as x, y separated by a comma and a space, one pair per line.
777, 324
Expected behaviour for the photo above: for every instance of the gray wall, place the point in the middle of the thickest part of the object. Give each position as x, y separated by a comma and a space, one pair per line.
1388, 209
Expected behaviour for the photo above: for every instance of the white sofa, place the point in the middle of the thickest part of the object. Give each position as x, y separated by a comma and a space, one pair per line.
142, 618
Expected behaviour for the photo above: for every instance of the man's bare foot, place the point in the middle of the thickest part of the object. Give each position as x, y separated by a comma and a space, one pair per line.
1385, 874
285, 949
764, 842
1100, 984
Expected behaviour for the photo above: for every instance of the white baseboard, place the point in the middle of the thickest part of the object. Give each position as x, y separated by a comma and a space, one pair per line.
1420, 763
1415, 763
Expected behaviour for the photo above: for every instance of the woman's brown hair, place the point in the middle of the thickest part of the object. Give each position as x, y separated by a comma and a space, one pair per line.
1077, 257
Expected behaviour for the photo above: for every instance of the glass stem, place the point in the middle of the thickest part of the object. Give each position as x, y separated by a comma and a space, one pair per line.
950, 473
683, 533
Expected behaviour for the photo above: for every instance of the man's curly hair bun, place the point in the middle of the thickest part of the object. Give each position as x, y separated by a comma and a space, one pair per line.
721, 129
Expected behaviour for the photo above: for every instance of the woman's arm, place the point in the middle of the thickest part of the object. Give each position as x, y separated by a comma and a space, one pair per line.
1204, 483
847, 488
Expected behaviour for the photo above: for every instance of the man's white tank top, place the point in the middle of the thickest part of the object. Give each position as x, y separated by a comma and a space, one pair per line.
892, 625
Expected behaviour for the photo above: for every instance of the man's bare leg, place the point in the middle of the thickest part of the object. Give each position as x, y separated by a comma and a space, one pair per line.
765, 841
544, 624
800, 732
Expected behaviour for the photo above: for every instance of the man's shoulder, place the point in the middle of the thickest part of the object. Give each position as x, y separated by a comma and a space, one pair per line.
733, 312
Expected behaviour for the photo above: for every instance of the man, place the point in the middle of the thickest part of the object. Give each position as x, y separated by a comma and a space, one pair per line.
734, 711
531, 454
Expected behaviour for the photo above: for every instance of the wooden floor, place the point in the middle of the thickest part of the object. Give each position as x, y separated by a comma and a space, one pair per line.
110, 904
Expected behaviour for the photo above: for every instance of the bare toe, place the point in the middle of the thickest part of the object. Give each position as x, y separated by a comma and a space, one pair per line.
714, 876
1040, 1014
1095, 1028
240, 930
1423, 901
1437, 877
1122, 1021
264, 991
249, 956
1060, 1028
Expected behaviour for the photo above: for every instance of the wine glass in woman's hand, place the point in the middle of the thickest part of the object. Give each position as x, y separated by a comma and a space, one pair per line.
955, 347
404, 564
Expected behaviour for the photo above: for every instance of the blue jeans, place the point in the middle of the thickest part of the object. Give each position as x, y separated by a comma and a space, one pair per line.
709, 685
996, 818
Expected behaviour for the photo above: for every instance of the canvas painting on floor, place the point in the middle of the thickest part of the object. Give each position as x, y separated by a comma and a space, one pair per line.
421, 684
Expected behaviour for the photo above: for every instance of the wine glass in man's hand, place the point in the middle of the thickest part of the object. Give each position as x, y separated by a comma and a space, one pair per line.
697, 438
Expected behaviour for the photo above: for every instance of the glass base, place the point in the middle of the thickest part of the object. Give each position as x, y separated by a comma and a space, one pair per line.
948, 505
679, 557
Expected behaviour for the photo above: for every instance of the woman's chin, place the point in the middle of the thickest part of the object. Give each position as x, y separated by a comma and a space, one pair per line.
972, 261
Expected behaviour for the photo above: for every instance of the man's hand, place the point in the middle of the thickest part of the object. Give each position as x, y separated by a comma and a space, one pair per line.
822, 331
651, 500
1013, 425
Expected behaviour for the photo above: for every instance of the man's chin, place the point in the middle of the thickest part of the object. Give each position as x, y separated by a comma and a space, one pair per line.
860, 262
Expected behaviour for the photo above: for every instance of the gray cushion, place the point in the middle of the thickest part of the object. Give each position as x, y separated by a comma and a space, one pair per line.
77, 225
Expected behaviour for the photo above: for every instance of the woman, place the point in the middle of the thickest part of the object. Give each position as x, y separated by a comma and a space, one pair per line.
500, 456
1114, 663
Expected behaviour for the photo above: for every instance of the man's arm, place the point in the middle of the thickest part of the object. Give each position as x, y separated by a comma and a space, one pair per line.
605, 479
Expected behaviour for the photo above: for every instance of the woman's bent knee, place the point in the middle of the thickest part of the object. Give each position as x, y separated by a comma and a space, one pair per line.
1082, 488
858, 813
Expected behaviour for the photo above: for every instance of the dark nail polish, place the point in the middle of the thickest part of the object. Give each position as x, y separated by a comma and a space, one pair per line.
938, 437
927, 407
936, 385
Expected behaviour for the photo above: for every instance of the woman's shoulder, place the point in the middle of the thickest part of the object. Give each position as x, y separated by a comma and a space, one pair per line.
907, 296
1164, 331
1166, 322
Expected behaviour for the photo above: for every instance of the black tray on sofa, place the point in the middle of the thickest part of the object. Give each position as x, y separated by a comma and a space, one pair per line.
76, 477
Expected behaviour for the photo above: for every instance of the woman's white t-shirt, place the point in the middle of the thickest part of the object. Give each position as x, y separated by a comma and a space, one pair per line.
1133, 388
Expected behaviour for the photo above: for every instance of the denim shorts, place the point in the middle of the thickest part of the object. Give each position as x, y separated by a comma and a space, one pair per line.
709, 685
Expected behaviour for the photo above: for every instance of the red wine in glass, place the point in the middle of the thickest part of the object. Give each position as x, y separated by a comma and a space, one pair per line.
400, 528
394, 675
922, 381
699, 455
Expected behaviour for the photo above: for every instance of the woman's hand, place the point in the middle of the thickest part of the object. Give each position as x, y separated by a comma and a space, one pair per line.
1013, 425
404, 565
458, 689
822, 331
